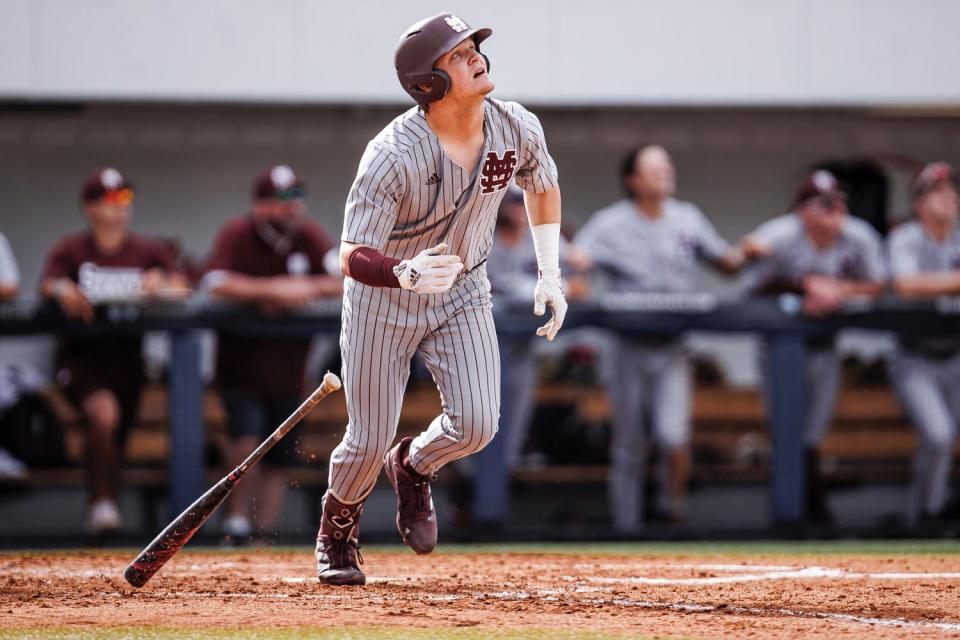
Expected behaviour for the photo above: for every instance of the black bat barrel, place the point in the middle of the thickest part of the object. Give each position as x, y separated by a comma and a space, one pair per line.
177, 533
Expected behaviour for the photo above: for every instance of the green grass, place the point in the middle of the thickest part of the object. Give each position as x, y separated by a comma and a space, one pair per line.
765, 548
298, 633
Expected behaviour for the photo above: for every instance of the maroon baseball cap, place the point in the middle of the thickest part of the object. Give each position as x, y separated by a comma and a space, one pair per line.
279, 181
929, 177
818, 183
102, 182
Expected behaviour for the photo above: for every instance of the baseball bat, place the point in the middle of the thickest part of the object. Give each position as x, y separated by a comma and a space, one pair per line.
178, 533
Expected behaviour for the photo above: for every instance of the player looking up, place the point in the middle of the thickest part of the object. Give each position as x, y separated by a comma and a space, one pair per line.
651, 242
418, 228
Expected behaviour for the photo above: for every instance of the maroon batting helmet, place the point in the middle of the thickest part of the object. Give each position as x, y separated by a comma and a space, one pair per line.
422, 45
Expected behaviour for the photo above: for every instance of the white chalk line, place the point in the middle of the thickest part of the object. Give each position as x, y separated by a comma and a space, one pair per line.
515, 596
748, 573
805, 573
620, 566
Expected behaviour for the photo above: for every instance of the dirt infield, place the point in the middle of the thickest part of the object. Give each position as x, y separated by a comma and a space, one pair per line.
692, 595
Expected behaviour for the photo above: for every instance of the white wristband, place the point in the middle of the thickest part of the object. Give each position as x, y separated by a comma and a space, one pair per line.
546, 243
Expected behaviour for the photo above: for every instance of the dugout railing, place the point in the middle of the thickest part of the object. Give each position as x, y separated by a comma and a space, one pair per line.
778, 321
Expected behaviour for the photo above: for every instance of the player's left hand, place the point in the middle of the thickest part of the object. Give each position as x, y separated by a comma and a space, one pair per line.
548, 293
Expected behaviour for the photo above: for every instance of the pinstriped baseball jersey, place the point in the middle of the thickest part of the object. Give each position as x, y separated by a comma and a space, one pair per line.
409, 196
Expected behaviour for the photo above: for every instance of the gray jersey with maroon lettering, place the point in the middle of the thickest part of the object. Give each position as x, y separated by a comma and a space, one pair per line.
409, 196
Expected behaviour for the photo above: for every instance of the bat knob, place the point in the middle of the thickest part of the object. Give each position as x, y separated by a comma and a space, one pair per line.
331, 380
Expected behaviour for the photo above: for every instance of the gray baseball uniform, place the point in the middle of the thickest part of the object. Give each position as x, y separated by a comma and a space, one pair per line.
409, 196
925, 372
638, 254
856, 255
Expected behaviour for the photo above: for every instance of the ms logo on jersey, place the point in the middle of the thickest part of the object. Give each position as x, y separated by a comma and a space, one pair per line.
456, 23
497, 171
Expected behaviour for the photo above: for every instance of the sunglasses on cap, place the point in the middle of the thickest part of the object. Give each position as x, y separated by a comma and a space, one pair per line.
118, 196
295, 193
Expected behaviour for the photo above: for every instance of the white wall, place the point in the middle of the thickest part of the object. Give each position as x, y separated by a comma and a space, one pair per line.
693, 52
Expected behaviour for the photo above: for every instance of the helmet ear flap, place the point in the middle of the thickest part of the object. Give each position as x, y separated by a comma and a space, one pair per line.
441, 88
437, 80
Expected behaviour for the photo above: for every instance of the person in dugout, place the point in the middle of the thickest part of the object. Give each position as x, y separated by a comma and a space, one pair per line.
102, 376
651, 242
924, 255
827, 257
273, 257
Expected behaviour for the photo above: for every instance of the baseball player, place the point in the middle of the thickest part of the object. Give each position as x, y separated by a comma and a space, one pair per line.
417, 231
820, 252
651, 242
272, 257
924, 258
101, 376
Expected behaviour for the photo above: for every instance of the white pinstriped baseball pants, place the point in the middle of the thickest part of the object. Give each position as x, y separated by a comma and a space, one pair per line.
381, 330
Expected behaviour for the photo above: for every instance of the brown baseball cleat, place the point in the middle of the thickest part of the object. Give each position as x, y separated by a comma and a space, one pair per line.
338, 546
416, 519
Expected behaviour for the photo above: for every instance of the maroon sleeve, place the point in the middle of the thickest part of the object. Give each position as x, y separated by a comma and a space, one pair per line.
222, 255
369, 266
61, 261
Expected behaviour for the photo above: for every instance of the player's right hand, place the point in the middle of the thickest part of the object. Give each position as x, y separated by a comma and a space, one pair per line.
430, 271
